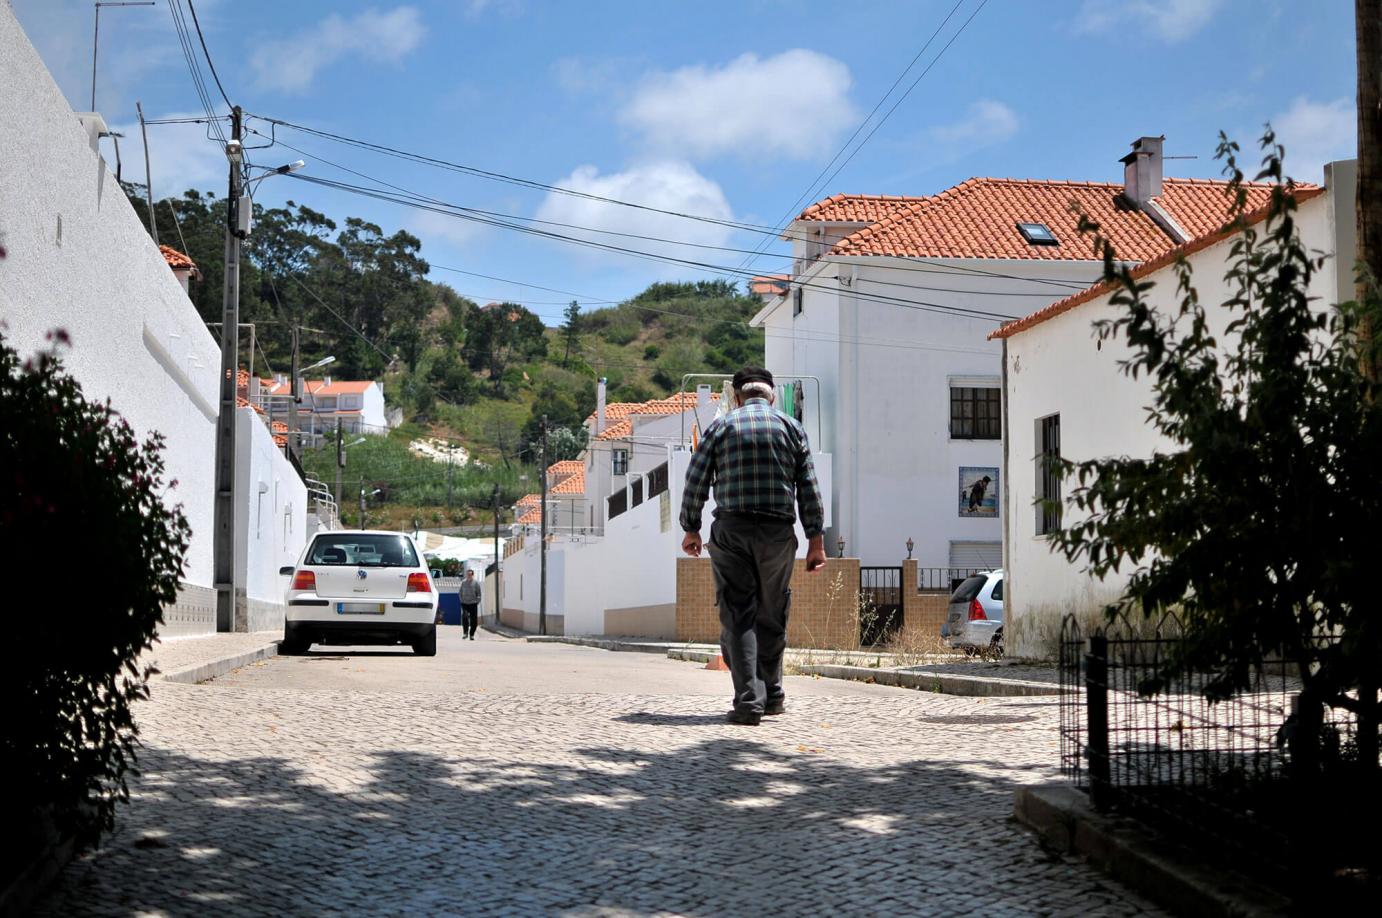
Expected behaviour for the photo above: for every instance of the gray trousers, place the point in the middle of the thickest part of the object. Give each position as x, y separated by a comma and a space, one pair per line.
752, 559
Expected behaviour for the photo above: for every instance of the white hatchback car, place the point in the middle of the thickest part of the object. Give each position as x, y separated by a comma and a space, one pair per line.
974, 620
360, 587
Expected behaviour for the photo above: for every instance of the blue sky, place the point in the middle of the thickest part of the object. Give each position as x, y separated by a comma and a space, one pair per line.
722, 109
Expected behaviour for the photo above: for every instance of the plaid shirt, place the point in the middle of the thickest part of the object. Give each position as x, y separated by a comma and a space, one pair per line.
760, 462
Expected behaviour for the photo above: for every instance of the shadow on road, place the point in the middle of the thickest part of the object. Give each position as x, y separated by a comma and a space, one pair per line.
728, 825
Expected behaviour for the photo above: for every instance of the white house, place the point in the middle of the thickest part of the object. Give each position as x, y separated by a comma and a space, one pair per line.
79, 259
357, 406
1064, 394
891, 303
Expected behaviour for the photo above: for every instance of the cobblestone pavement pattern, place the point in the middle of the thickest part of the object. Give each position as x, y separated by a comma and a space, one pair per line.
510, 778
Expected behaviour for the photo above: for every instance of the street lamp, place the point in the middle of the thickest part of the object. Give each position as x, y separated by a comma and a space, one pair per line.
840, 544
910, 545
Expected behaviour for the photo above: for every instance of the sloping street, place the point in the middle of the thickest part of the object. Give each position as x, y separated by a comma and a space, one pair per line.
502, 777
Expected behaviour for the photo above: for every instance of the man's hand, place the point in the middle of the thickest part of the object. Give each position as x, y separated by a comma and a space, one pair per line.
815, 554
691, 544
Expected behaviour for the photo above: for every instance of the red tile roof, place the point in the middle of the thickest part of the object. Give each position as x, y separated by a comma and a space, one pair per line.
571, 484
619, 415
978, 219
857, 208
1302, 193
318, 387
176, 260
531, 518
769, 284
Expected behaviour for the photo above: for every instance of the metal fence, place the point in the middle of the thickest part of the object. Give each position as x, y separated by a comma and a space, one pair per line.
1143, 739
944, 579
880, 604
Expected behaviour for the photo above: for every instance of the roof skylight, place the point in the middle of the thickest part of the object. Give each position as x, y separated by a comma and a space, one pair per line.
1037, 234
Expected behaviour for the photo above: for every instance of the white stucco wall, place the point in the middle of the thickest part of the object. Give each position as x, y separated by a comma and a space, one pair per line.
79, 259
270, 519
886, 371
372, 413
1056, 367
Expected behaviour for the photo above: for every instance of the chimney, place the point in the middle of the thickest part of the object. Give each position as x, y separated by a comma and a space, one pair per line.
1142, 170
600, 407
702, 399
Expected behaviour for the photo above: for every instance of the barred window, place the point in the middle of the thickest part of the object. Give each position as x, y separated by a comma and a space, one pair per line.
621, 462
975, 413
1048, 481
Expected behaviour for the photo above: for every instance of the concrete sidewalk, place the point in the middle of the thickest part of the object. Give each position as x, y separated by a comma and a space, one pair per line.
198, 658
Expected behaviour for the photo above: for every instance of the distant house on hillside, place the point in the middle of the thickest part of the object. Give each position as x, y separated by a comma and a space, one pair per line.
183, 267
890, 305
357, 406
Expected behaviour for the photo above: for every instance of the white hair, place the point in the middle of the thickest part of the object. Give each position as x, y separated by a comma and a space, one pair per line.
758, 389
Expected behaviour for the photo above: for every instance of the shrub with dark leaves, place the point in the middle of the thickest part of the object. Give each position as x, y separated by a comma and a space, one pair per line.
75, 474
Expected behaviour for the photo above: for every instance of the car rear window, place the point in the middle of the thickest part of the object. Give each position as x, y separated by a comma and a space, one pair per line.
969, 589
364, 550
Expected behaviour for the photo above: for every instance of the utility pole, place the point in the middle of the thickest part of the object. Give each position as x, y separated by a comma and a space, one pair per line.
1368, 201
542, 473
448, 473
362, 502
149, 187
495, 497
340, 462
224, 567
293, 446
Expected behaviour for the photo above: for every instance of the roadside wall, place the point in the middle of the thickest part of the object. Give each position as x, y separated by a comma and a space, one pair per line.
270, 522
824, 613
79, 259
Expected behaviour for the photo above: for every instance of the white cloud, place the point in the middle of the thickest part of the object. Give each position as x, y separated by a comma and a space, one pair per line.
477, 8
451, 231
180, 157
290, 64
794, 104
1314, 133
664, 184
987, 122
1170, 20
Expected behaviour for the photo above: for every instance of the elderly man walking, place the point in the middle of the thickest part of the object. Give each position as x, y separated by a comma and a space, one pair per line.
471, 595
759, 462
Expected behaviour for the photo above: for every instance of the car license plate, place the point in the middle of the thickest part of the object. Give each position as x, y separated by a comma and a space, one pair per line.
359, 608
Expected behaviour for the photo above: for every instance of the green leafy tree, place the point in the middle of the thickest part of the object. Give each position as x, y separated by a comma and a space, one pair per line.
1257, 521
570, 330
502, 334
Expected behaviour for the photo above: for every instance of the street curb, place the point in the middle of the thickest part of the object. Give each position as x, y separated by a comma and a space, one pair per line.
1066, 821
194, 675
600, 643
932, 681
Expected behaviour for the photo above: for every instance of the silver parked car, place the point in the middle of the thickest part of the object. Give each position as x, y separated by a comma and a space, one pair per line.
974, 622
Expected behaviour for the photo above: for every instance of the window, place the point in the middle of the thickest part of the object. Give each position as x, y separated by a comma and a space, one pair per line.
796, 301
1047, 479
364, 550
1037, 234
621, 462
975, 413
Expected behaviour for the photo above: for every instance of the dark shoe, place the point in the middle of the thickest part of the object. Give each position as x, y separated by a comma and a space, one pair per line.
744, 718
774, 708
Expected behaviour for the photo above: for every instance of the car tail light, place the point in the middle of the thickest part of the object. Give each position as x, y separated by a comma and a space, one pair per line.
419, 583
976, 611
305, 580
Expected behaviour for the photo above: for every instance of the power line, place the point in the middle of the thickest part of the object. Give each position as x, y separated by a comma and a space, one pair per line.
189, 56
191, 6
922, 265
785, 219
724, 270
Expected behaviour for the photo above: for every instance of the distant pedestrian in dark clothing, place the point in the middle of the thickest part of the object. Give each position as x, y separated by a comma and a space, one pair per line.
471, 595
759, 462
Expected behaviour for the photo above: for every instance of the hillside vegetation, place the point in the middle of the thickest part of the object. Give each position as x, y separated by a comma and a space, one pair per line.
482, 375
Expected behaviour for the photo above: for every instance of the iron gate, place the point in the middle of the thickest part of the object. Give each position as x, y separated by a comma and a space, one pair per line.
880, 604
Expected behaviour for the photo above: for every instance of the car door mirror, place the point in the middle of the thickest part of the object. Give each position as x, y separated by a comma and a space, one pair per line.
285, 571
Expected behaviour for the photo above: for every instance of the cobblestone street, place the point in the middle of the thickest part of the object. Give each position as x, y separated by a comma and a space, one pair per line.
510, 778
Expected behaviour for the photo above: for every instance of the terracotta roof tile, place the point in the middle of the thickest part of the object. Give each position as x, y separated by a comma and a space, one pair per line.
531, 518
978, 219
571, 484
177, 260
619, 415
857, 208
1302, 193
775, 284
